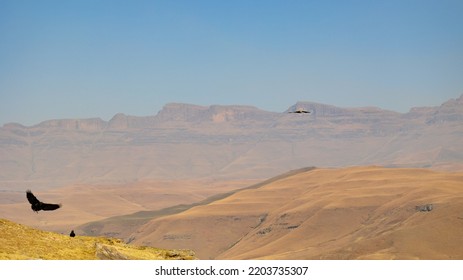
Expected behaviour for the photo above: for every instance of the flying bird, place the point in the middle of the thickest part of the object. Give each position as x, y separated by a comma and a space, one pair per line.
300, 111
38, 205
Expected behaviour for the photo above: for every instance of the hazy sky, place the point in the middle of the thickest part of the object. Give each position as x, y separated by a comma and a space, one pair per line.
80, 59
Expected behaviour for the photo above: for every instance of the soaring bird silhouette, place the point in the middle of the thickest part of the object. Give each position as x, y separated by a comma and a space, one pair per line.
300, 111
38, 205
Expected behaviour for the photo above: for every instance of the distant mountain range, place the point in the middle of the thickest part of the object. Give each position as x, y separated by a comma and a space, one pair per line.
187, 141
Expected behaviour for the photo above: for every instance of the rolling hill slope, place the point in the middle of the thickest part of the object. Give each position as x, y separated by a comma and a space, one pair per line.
349, 213
122, 226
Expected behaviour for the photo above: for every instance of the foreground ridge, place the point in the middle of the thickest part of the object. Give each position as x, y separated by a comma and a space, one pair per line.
19, 242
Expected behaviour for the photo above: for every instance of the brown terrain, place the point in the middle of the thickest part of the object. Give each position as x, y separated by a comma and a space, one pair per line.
349, 213
148, 179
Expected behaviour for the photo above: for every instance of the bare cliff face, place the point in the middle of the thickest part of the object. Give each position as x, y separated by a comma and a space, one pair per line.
188, 141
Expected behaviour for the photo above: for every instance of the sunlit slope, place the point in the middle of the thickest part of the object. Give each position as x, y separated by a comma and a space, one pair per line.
18, 242
351, 213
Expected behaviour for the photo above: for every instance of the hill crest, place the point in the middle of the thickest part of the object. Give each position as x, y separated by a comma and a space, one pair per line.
19, 242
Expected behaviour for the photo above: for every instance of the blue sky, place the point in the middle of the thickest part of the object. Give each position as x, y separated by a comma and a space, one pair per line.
82, 59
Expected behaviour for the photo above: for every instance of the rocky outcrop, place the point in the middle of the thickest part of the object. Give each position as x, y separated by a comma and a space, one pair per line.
106, 252
424, 208
93, 124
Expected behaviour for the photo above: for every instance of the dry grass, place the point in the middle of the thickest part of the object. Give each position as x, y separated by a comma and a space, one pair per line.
19, 242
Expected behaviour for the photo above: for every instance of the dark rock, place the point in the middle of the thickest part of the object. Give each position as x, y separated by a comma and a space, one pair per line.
424, 208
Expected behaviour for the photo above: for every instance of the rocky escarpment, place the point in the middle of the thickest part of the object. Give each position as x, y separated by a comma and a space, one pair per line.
191, 141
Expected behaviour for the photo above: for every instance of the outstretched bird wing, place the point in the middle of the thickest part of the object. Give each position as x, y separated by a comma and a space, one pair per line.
50, 206
300, 111
37, 205
31, 197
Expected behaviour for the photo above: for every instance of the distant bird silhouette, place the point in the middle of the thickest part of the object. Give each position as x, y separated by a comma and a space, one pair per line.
37, 205
300, 111
72, 234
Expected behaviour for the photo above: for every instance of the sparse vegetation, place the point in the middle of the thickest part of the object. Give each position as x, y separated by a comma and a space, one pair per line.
19, 242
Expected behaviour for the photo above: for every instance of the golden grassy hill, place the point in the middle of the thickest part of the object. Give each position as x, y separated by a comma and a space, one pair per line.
347, 213
19, 242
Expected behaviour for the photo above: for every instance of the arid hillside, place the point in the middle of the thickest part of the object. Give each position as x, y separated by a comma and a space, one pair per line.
123, 226
19, 242
348, 213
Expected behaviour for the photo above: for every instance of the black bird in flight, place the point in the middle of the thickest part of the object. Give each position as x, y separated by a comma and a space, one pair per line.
38, 205
300, 111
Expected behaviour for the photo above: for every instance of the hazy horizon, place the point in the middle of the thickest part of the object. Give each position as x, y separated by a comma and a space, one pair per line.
209, 105
84, 59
